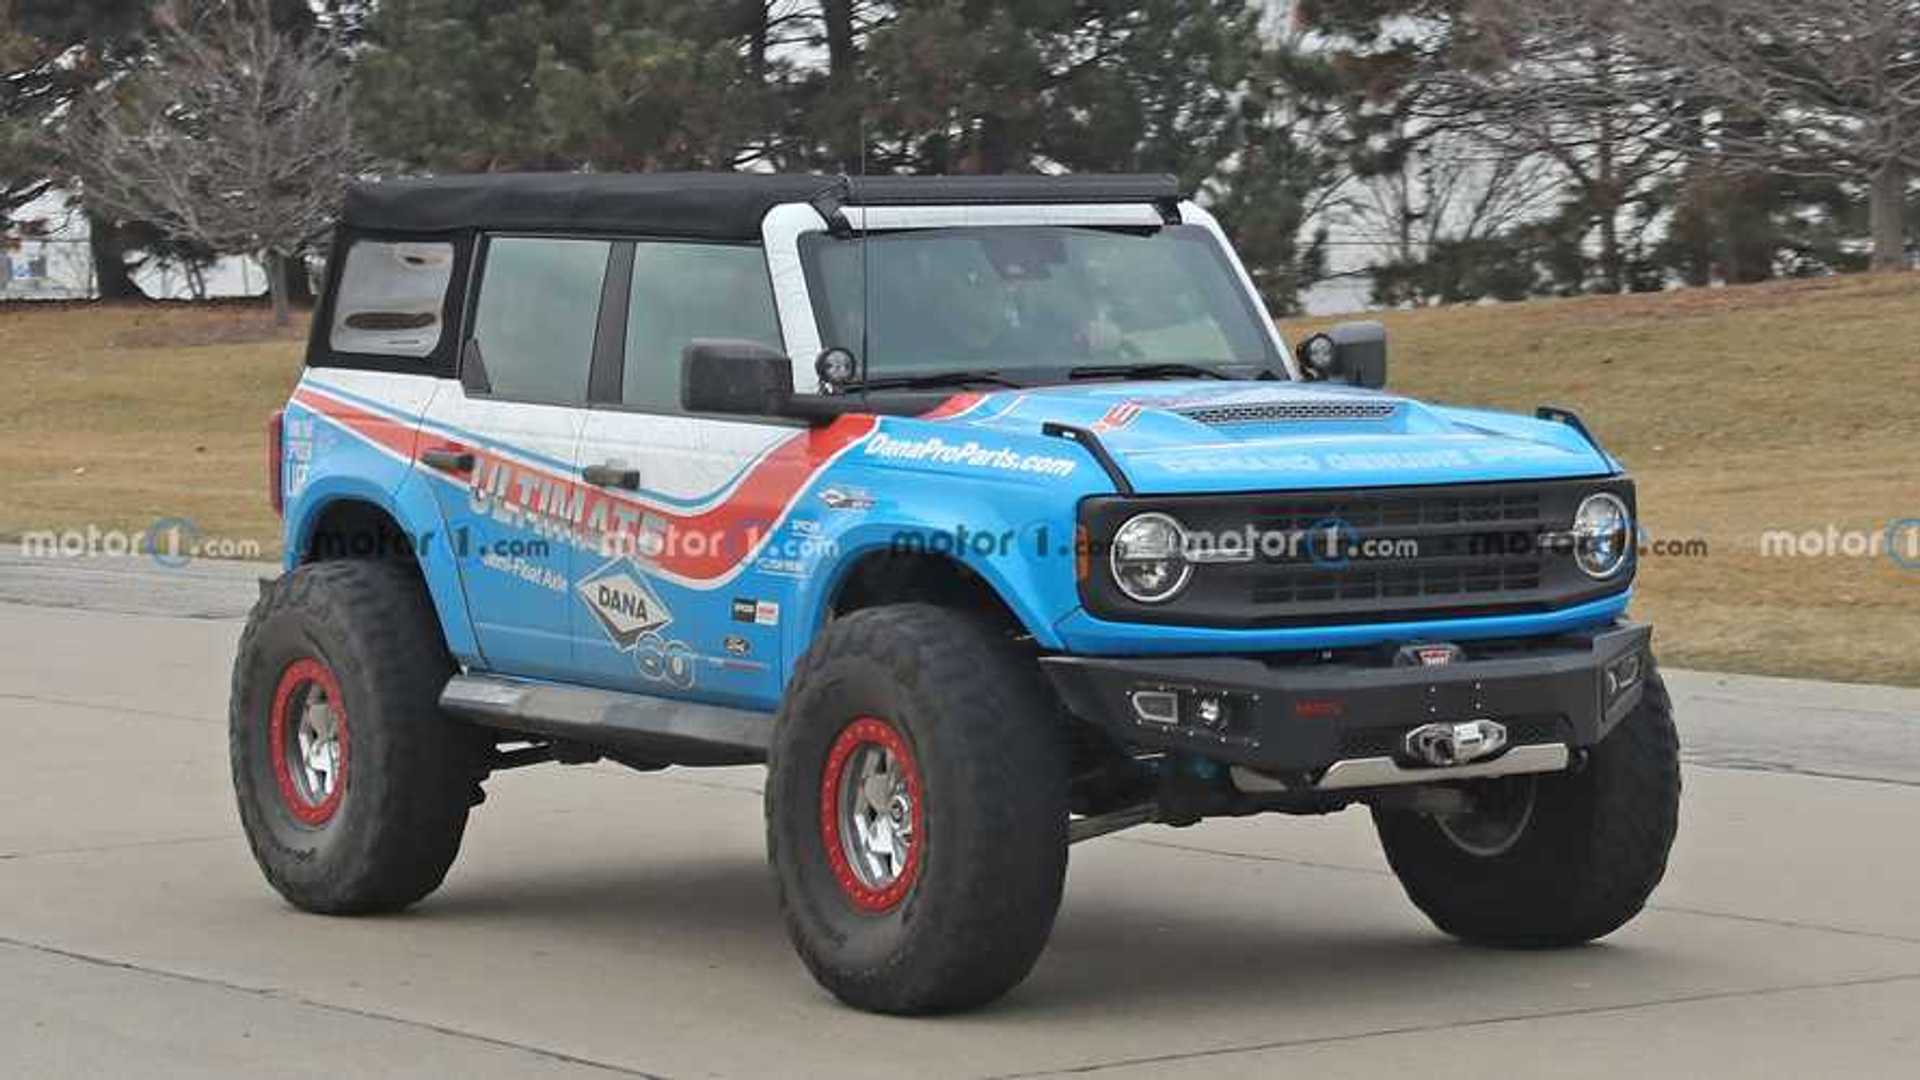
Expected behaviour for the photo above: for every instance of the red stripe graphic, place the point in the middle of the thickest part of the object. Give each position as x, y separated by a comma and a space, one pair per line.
693, 546
389, 434
953, 406
1118, 417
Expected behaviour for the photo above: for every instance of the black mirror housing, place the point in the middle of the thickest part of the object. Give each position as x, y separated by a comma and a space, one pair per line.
720, 375
1354, 353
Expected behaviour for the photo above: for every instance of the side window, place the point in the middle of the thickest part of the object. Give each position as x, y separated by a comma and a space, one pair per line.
539, 305
391, 296
686, 291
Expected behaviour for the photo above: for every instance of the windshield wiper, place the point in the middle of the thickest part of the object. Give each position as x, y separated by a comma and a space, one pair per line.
931, 381
1162, 370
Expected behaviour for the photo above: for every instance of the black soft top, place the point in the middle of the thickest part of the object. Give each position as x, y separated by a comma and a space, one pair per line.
708, 206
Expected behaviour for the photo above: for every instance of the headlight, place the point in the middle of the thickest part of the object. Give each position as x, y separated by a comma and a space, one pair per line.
1149, 558
1602, 535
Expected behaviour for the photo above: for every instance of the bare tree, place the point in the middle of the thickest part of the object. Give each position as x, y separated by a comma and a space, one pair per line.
1811, 88
234, 135
1557, 79
1448, 188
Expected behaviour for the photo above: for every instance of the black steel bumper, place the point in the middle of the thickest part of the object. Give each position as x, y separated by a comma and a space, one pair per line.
1294, 717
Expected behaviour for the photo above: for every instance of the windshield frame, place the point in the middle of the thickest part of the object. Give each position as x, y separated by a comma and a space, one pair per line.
799, 271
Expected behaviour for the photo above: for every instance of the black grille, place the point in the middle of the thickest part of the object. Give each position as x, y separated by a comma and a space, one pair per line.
1368, 556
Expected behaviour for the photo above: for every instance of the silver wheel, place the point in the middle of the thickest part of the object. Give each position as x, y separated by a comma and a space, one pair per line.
872, 815
876, 816
315, 755
1502, 811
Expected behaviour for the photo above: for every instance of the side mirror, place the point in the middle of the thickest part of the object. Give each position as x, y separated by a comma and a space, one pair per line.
721, 375
1354, 353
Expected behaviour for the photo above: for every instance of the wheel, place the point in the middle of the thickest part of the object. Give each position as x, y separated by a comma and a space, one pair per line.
917, 810
1554, 859
353, 788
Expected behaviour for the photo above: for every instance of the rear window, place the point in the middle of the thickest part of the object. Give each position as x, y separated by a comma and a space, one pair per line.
392, 298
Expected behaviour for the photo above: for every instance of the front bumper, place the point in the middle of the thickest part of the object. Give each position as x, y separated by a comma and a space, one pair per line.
1322, 724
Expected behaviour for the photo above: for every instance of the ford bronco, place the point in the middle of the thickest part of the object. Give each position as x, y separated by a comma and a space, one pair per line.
991, 514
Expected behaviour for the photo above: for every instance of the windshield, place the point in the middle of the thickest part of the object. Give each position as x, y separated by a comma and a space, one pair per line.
1043, 299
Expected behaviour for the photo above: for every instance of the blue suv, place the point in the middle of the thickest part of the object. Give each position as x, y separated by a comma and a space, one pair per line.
992, 514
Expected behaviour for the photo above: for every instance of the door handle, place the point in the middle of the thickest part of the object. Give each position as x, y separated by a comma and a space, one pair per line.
608, 474
452, 461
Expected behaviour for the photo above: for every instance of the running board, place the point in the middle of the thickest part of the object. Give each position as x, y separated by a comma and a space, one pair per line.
650, 728
1386, 772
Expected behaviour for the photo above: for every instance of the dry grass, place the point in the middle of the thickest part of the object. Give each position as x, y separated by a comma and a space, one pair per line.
1784, 406
119, 416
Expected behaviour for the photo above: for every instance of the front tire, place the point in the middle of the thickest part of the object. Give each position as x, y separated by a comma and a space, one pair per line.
353, 787
1551, 860
917, 810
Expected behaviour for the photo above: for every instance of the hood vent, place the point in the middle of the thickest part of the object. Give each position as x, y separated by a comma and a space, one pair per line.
1285, 411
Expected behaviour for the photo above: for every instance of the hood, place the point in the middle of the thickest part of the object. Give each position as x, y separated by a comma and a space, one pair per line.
1174, 437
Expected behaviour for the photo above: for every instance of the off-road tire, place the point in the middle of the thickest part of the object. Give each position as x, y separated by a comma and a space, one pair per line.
410, 774
987, 738
1588, 858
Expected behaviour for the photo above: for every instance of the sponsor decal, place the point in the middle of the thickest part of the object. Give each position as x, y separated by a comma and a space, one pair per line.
525, 569
737, 645
663, 661
781, 567
846, 498
626, 607
757, 612
971, 453
296, 440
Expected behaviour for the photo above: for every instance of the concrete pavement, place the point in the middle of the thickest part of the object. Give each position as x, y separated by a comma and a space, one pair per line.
602, 921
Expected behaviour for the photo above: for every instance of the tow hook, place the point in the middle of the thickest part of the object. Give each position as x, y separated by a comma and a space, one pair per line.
1446, 744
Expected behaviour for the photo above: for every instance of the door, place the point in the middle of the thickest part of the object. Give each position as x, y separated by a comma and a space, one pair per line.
673, 595
503, 442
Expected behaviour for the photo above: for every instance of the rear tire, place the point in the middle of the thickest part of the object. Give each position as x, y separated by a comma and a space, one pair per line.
952, 904
1579, 852
348, 656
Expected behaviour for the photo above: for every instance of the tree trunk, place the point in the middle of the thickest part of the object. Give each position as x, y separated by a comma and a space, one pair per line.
1887, 214
277, 287
299, 282
848, 143
1613, 271
107, 243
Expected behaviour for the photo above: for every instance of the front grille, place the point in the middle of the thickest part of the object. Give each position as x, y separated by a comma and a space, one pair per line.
1284, 411
1472, 543
1375, 555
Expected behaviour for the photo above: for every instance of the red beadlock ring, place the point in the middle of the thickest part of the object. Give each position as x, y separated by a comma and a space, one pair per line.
299, 676
863, 731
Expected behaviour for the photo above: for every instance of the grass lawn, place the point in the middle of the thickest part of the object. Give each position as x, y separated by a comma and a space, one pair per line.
1790, 406
119, 416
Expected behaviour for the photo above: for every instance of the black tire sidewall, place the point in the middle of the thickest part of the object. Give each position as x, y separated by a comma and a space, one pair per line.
993, 774
411, 774
867, 939
1593, 851
303, 854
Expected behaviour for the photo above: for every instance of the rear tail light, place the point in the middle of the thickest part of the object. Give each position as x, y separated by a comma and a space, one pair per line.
276, 475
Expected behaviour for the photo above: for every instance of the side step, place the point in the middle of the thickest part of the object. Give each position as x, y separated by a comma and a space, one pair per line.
650, 728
